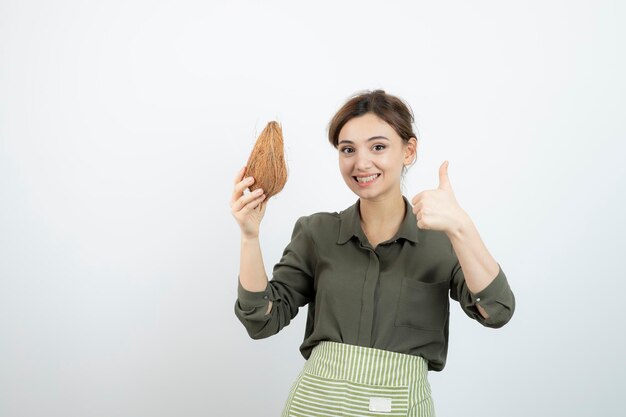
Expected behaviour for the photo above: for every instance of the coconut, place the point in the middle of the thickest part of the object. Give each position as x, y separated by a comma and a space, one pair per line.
267, 161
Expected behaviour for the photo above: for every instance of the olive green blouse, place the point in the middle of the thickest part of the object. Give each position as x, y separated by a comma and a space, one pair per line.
392, 297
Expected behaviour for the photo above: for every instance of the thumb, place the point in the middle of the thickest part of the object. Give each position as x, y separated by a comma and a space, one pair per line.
444, 181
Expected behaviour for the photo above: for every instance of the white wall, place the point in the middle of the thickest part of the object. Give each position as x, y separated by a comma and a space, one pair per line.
123, 123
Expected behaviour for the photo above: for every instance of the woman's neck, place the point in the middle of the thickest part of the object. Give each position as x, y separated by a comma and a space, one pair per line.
383, 214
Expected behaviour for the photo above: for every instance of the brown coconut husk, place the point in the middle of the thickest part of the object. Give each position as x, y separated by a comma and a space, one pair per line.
267, 161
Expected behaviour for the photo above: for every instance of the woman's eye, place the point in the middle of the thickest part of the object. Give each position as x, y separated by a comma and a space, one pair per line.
380, 147
346, 149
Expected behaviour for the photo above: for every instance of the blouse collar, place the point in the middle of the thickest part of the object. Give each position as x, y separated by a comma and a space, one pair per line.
351, 224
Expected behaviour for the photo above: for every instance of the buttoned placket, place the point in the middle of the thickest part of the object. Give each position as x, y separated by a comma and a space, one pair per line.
372, 276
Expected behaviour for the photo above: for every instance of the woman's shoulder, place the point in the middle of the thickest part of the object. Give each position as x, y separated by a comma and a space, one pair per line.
321, 225
320, 219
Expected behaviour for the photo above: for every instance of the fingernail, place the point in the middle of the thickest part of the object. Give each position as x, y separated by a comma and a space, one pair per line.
249, 179
258, 191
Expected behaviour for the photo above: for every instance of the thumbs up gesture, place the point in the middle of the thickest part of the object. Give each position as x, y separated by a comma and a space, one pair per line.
438, 209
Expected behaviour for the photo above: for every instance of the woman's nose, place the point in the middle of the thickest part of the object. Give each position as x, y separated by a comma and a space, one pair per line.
363, 162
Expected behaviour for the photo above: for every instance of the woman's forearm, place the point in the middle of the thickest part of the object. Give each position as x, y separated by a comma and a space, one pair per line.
251, 268
479, 267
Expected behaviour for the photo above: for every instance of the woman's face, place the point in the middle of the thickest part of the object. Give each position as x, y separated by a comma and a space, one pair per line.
372, 151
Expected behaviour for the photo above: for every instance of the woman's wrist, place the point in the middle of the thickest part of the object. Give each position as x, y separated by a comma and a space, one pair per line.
461, 227
249, 238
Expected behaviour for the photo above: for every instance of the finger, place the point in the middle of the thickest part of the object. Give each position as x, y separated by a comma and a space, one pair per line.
255, 205
237, 181
240, 187
245, 199
262, 204
417, 198
419, 213
418, 207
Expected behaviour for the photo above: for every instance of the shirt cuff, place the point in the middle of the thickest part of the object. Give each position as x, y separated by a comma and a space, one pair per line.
249, 300
496, 299
491, 291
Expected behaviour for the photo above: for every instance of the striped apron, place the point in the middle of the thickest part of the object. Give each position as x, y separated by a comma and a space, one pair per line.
346, 380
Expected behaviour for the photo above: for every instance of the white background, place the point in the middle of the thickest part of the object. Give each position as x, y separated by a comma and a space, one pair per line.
123, 123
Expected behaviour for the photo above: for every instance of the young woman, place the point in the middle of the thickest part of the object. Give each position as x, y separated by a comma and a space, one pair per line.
377, 276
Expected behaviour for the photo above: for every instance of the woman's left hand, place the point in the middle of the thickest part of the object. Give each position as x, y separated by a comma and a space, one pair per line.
438, 209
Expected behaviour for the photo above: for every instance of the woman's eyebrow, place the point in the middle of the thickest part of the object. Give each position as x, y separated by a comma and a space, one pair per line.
372, 138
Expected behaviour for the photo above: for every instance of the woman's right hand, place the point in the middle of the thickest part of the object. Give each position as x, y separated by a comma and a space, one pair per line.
247, 209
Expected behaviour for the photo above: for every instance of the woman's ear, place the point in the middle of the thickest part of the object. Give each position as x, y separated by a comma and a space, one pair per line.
410, 151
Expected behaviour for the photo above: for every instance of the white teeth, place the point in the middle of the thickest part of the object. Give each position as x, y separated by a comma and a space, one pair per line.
366, 179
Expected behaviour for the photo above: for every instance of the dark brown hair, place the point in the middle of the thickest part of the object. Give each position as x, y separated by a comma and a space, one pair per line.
389, 108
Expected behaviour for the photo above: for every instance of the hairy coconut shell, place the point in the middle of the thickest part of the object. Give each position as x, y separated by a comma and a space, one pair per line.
267, 161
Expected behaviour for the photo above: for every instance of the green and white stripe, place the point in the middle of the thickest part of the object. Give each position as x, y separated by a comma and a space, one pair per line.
344, 380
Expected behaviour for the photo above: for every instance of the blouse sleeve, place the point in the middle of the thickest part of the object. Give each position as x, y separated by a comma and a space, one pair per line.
291, 287
496, 299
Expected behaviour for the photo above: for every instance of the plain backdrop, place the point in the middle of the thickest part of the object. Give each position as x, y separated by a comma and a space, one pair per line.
123, 124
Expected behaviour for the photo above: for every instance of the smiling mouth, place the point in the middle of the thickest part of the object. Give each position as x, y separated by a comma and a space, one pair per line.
366, 180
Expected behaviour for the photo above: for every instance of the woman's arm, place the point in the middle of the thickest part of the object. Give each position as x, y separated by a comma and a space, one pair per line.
292, 284
439, 210
249, 209
479, 267
251, 268
265, 307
